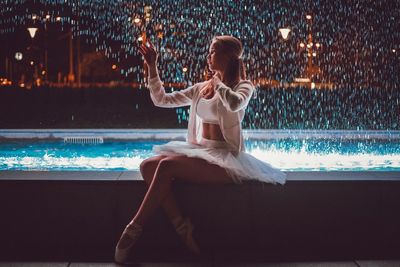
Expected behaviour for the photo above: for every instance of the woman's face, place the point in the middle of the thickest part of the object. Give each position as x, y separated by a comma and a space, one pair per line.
215, 59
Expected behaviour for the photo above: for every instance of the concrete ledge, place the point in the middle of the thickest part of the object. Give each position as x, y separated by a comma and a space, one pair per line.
135, 133
136, 176
77, 217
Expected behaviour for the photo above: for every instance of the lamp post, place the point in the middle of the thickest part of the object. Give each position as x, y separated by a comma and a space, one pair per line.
32, 33
310, 69
142, 22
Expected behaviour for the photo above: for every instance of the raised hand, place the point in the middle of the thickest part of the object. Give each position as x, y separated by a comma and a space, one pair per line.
149, 53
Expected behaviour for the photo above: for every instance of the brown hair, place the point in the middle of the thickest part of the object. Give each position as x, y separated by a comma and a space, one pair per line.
233, 48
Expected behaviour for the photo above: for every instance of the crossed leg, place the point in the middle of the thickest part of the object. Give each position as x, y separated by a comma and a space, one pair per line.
147, 169
193, 170
160, 171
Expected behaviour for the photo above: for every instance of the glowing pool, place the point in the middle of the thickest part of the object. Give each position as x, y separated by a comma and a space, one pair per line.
125, 149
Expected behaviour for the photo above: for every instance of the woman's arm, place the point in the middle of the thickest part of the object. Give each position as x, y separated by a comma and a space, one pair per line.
157, 91
234, 100
162, 99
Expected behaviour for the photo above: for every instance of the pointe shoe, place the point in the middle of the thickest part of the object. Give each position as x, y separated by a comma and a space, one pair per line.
134, 231
185, 231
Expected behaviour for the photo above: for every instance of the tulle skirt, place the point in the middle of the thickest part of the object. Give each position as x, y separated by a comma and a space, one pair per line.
240, 167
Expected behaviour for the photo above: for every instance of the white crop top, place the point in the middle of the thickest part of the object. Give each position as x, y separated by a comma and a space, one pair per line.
207, 109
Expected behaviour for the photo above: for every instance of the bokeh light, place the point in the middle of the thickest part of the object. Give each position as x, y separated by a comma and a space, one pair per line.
354, 48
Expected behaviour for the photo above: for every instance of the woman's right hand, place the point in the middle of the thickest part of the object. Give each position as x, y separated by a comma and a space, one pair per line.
149, 53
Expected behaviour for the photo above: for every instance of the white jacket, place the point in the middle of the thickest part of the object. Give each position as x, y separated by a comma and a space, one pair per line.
231, 107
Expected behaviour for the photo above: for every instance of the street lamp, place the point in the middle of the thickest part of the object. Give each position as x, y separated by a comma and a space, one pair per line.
32, 31
18, 56
309, 46
142, 22
284, 32
310, 70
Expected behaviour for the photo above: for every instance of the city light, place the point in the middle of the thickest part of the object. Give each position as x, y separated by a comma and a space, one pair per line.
32, 31
110, 29
18, 56
284, 32
302, 80
349, 46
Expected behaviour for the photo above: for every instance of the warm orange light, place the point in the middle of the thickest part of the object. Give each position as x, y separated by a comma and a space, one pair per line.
58, 18
136, 20
302, 45
43, 72
185, 69
114, 67
308, 17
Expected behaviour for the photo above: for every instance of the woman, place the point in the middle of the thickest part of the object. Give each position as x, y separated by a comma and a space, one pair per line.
214, 150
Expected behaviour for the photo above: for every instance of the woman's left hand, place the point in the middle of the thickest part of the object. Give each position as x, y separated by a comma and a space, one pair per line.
208, 91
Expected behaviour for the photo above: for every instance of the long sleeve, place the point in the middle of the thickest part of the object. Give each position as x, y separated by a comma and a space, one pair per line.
235, 100
174, 99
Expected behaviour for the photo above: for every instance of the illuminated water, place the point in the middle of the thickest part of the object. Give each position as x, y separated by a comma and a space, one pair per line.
310, 154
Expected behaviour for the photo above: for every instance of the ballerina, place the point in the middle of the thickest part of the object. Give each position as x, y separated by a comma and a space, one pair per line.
214, 151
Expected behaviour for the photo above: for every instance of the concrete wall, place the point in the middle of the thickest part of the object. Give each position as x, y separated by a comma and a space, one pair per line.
302, 220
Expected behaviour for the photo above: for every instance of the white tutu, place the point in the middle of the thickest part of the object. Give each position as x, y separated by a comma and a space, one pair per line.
241, 167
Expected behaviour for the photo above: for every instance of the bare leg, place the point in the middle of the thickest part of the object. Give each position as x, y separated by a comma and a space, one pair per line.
148, 168
183, 168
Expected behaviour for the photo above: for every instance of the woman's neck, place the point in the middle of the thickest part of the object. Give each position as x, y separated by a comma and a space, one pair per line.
221, 76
